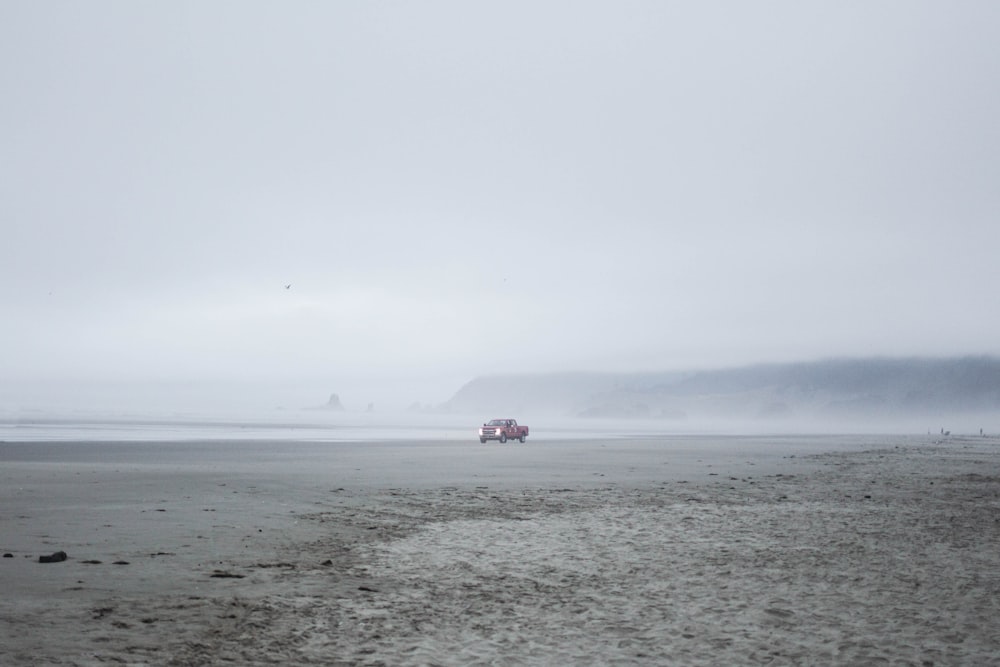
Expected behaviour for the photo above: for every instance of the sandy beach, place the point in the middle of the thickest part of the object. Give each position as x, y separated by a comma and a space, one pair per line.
706, 550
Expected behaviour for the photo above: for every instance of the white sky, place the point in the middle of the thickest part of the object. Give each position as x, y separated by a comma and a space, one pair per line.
463, 188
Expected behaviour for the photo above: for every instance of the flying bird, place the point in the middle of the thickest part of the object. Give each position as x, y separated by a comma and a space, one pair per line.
288, 286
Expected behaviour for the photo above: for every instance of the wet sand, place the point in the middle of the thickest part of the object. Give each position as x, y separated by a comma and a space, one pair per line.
695, 551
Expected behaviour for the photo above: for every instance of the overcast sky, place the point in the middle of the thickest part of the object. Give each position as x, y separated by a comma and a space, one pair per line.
463, 188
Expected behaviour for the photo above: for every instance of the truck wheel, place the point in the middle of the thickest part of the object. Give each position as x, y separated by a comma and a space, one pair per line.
503, 438
521, 438
482, 440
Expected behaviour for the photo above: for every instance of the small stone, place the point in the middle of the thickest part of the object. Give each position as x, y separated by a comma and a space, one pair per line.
57, 557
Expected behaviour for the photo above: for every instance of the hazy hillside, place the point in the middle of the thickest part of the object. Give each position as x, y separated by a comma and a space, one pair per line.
860, 387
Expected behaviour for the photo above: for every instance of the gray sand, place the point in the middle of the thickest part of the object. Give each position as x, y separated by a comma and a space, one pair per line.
694, 551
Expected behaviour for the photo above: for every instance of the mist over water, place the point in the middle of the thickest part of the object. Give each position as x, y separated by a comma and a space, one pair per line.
838, 397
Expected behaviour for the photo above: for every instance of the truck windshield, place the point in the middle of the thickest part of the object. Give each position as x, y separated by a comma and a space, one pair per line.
496, 422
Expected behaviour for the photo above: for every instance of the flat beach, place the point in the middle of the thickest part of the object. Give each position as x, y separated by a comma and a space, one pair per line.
707, 550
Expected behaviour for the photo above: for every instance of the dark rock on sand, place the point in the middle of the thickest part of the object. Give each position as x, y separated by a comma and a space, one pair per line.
222, 574
57, 557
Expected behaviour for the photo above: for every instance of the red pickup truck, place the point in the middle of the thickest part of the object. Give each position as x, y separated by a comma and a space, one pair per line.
502, 430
